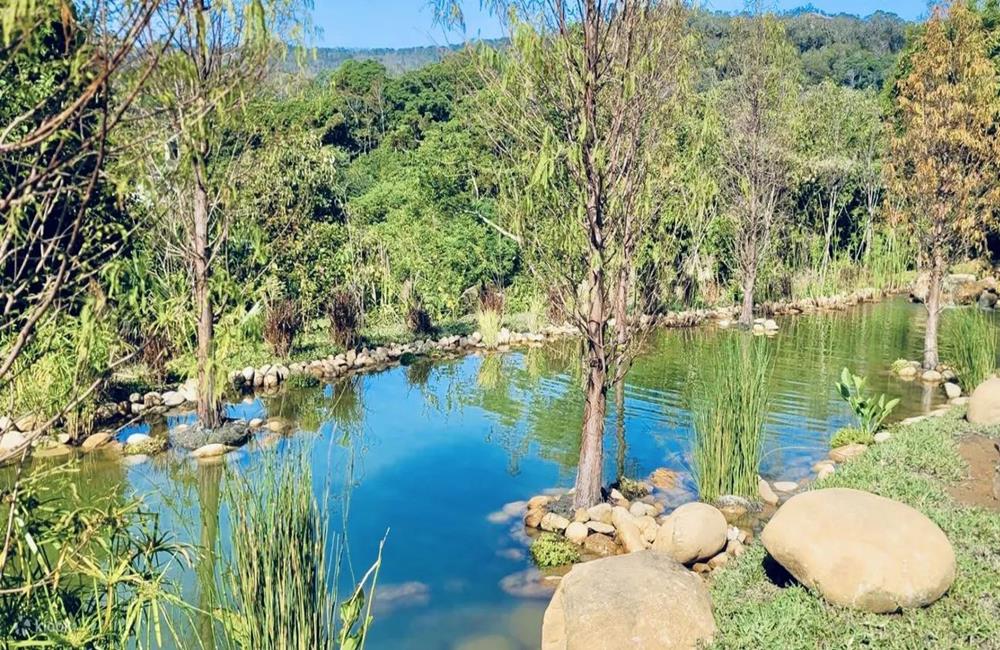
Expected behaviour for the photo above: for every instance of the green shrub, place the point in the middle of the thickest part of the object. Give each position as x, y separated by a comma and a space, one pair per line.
85, 572
146, 447
850, 436
971, 344
729, 397
899, 364
870, 412
550, 550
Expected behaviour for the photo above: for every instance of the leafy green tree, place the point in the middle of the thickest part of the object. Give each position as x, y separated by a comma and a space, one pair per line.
215, 59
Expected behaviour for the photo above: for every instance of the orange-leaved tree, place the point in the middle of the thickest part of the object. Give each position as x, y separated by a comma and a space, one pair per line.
945, 152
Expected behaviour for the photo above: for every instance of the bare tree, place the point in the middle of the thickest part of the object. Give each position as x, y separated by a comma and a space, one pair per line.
755, 102
578, 106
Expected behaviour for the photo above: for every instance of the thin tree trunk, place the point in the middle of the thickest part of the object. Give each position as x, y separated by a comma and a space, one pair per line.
589, 473
746, 313
208, 412
933, 304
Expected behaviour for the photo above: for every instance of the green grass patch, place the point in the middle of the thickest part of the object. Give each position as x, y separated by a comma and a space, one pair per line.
915, 467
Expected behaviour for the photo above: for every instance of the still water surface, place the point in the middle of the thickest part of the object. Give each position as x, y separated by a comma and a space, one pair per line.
430, 452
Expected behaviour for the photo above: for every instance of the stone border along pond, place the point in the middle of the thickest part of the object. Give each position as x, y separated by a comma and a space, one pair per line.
270, 378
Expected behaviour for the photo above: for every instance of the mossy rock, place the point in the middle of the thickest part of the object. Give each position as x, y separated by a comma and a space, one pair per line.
631, 488
850, 436
551, 550
146, 447
408, 358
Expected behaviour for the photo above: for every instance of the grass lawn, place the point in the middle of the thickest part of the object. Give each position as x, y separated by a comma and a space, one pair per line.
915, 466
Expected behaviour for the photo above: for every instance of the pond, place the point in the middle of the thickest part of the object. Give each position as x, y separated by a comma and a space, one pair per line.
428, 455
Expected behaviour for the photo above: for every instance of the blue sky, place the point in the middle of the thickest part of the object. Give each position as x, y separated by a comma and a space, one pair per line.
402, 23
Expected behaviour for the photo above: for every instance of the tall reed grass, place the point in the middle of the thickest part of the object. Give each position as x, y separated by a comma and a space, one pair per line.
489, 315
971, 344
281, 586
728, 398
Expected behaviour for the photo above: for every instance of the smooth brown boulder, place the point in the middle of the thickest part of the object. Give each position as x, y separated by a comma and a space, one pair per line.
695, 531
640, 601
861, 550
984, 403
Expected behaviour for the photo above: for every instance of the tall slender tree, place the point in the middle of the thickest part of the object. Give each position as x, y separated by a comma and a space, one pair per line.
756, 101
944, 156
577, 109
218, 55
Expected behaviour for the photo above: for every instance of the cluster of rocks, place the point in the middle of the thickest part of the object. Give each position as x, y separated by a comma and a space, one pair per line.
366, 359
695, 534
158, 403
908, 370
836, 302
853, 548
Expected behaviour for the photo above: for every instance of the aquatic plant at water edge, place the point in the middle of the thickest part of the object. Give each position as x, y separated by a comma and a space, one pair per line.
971, 345
728, 398
549, 550
281, 583
84, 572
489, 315
870, 412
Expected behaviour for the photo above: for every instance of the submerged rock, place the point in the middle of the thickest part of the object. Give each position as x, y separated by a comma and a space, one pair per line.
640, 601
861, 550
232, 433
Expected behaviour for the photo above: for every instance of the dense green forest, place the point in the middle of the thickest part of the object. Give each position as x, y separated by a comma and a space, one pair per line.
376, 193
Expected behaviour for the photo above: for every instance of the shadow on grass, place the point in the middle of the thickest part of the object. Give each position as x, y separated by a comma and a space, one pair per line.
777, 573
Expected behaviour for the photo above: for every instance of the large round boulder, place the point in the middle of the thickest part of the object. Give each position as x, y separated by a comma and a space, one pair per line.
642, 600
861, 550
695, 531
984, 403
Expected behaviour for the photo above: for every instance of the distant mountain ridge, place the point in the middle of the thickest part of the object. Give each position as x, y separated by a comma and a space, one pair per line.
808, 27
395, 60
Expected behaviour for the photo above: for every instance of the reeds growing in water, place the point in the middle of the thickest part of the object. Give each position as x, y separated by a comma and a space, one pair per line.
728, 397
281, 585
971, 345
